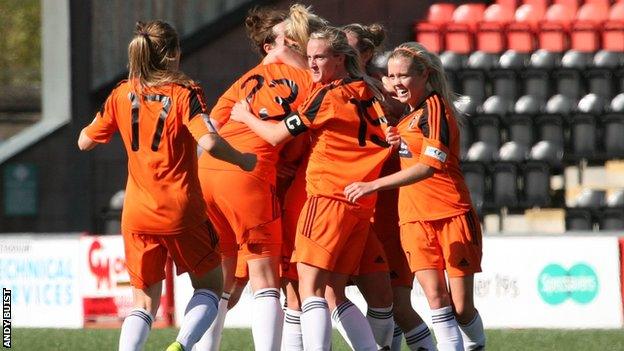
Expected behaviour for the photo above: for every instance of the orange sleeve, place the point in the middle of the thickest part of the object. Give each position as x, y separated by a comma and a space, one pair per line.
221, 111
434, 126
195, 116
312, 114
104, 124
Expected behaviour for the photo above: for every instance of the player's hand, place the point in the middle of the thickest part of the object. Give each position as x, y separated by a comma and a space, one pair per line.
241, 111
356, 190
248, 161
392, 136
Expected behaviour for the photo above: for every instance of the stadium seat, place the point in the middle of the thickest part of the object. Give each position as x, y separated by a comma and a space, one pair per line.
482, 60
491, 37
475, 177
613, 35
528, 104
616, 13
617, 103
505, 184
571, 7
496, 105
530, 15
499, 13
459, 38
466, 137
609, 59
615, 198
553, 36
472, 83
590, 198
578, 219
470, 14
512, 59
440, 13
585, 36
540, 5
521, 37
536, 177
512, 151
593, 12
600, 81
487, 129
537, 83
544, 59
592, 103
520, 129
611, 219
576, 59
560, 104
481, 151
466, 105
430, 35
613, 138
569, 82
504, 83
550, 127
452, 61
583, 136
546, 151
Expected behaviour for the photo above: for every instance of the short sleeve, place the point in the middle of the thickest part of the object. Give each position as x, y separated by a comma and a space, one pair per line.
434, 127
104, 124
196, 118
222, 109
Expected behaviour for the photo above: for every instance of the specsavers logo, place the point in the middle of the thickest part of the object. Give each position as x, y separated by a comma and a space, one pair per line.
580, 283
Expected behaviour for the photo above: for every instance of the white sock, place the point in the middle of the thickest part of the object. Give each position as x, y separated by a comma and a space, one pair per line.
382, 324
354, 327
134, 330
267, 320
292, 339
201, 311
315, 324
397, 338
446, 330
473, 333
420, 338
211, 340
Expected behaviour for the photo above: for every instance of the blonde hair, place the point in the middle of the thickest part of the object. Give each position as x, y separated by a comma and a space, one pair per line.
423, 60
152, 54
337, 42
259, 24
301, 22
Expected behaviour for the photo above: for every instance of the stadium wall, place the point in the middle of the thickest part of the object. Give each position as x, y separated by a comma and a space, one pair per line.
75, 280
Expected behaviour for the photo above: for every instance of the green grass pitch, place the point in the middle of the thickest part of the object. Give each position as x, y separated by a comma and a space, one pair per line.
240, 339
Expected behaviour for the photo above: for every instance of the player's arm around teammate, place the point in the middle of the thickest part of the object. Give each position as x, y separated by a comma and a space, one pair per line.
439, 228
160, 114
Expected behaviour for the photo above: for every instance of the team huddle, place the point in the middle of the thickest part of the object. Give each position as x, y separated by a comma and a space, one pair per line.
284, 196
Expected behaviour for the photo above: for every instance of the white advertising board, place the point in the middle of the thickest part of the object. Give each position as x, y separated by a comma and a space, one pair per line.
42, 272
527, 282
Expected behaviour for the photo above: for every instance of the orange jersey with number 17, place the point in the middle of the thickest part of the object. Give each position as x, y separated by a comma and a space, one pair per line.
159, 127
348, 140
273, 92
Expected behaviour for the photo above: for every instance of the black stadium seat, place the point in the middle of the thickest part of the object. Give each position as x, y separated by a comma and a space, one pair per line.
505, 184
536, 177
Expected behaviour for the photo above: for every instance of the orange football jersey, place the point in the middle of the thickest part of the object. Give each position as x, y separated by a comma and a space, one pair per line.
273, 91
430, 135
348, 140
159, 127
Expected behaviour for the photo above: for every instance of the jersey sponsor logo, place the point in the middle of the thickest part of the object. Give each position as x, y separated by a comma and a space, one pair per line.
404, 150
435, 153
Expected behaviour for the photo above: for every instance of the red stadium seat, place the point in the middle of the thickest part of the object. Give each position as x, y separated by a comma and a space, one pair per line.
529, 14
553, 37
440, 13
430, 35
613, 36
510, 4
593, 12
520, 37
606, 3
469, 14
571, 5
559, 13
540, 5
498, 13
617, 12
458, 38
491, 37
585, 36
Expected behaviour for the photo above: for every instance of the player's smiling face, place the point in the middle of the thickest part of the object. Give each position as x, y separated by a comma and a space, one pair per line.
323, 62
410, 86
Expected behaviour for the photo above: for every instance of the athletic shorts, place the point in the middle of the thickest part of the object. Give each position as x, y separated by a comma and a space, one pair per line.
294, 200
374, 258
195, 250
452, 243
331, 235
